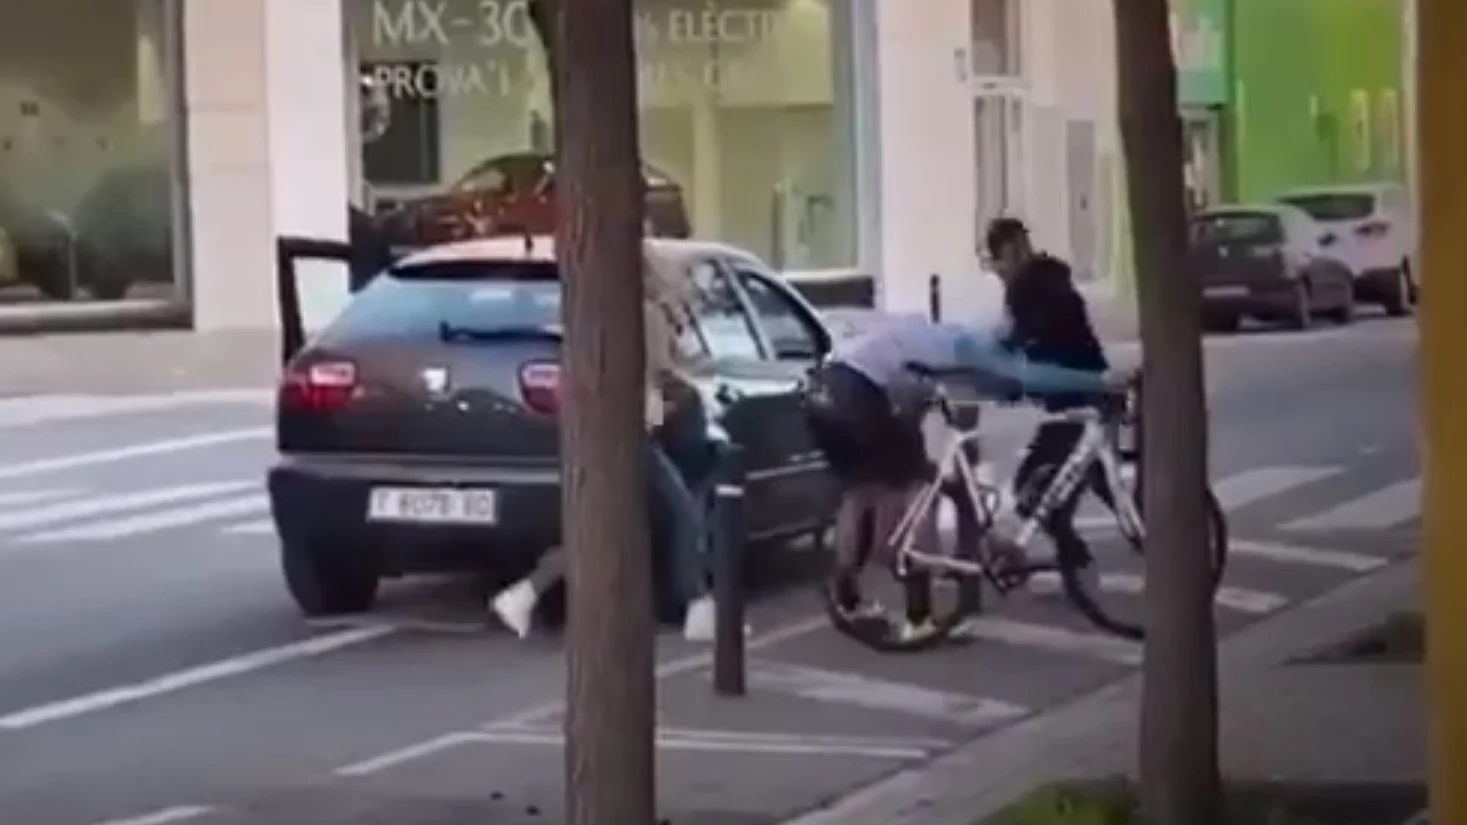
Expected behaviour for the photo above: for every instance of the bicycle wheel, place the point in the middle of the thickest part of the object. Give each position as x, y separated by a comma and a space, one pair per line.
953, 597
1111, 598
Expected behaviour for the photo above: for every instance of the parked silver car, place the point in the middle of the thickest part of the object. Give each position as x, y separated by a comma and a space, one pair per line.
1371, 228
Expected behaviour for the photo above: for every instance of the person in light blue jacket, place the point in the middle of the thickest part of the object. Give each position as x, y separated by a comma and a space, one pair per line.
865, 408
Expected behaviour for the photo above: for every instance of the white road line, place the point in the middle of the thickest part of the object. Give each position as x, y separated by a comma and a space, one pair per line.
545, 710
1235, 491
171, 445
169, 683
1241, 489
1233, 598
820, 685
1387, 507
256, 527
101, 505
152, 522
20, 498
791, 747
166, 816
1055, 639
1293, 554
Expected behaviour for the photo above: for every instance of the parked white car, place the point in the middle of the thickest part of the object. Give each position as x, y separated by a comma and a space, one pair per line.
1370, 228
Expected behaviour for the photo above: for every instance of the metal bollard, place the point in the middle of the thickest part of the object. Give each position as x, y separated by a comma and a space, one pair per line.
934, 297
728, 584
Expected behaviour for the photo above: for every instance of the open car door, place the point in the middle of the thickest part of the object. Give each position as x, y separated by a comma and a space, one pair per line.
315, 278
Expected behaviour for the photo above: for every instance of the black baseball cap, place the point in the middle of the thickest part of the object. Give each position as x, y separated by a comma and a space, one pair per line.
1002, 232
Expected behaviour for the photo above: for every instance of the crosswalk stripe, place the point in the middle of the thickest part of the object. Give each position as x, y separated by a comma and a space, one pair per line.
1386, 507
1293, 554
1241, 489
1233, 598
152, 522
1054, 639
21, 498
1235, 491
254, 527
69, 510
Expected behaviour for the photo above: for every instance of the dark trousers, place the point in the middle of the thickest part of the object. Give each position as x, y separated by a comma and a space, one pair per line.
1047, 452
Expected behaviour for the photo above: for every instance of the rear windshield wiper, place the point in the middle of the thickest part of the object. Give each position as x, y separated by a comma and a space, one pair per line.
450, 332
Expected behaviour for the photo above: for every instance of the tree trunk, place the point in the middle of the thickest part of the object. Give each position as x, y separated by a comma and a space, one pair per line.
609, 639
1180, 782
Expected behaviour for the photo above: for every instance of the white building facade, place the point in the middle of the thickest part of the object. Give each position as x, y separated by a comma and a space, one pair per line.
836, 138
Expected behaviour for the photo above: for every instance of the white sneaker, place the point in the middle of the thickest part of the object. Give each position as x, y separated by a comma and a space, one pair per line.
515, 606
700, 623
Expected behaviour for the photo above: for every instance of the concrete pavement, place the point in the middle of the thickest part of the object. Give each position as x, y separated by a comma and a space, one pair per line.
153, 666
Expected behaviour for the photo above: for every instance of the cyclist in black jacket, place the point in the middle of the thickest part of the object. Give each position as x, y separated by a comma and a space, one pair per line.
1050, 323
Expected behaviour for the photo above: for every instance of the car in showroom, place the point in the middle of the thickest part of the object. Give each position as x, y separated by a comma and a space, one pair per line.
1268, 262
513, 194
1374, 233
417, 431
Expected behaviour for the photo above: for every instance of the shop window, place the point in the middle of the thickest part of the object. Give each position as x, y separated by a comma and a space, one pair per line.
745, 119
86, 175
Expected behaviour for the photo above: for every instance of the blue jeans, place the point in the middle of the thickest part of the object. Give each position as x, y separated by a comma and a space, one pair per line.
679, 523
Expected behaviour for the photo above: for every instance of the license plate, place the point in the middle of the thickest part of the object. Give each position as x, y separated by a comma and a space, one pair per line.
1225, 291
432, 505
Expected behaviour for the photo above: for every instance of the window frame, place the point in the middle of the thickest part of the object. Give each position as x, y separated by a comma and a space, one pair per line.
751, 322
744, 269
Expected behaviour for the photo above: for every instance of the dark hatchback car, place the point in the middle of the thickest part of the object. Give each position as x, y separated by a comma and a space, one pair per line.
511, 195
1271, 263
417, 432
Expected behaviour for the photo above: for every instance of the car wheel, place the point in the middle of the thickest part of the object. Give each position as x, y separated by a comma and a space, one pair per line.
1302, 315
325, 581
1345, 315
1399, 302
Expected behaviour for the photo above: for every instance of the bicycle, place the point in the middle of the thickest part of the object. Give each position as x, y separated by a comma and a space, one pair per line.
974, 561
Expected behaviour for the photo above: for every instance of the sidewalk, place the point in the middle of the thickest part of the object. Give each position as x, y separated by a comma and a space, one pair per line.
138, 362
1281, 721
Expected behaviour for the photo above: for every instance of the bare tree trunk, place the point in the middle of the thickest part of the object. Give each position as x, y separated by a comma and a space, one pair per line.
609, 690
1180, 782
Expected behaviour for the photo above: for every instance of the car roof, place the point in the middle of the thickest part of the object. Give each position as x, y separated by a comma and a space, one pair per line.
668, 256
1372, 189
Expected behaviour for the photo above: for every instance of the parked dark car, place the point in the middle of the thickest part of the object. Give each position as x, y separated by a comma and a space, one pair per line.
1271, 263
417, 433
512, 195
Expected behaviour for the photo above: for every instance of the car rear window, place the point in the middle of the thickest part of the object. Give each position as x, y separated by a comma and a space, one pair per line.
1334, 207
484, 297
1238, 227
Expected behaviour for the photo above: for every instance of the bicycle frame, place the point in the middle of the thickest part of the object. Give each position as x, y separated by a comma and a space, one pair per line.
1096, 445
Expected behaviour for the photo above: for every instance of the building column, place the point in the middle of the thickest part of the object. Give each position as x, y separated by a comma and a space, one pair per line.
267, 153
1442, 212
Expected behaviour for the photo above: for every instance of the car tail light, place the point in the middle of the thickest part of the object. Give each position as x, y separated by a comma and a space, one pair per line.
1374, 229
540, 386
322, 386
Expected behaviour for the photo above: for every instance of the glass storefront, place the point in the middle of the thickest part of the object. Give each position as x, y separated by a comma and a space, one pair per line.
87, 199
747, 122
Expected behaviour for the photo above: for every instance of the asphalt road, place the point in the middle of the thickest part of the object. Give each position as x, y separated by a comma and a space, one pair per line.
153, 671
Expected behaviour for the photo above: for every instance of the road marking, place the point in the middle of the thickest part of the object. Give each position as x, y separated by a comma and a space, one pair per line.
789, 745
545, 710
1235, 491
46, 409
1390, 506
172, 682
152, 522
171, 445
70, 510
24, 497
1056, 639
1292, 554
820, 685
256, 527
1242, 489
179, 813
1242, 600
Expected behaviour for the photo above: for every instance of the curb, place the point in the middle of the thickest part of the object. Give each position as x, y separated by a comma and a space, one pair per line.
1094, 733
